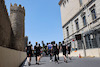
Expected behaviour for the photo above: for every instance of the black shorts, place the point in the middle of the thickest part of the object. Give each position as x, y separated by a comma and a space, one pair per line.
57, 51
49, 51
64, 52
38, 54
29, 54
69, 50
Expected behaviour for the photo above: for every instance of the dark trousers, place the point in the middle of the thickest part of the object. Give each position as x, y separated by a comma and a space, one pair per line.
50, 56
36, 58
50, 52
55, 57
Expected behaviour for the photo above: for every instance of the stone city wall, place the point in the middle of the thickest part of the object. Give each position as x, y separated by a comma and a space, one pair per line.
11, 58
5, 26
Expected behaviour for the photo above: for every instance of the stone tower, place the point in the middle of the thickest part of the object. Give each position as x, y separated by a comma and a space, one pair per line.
17, 17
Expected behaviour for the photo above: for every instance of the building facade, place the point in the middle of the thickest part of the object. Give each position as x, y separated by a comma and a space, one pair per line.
81, 24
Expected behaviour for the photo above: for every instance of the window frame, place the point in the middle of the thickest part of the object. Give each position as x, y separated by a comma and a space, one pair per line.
77, 25
82, 16
80, 2
67, 30
64, 3
93, 15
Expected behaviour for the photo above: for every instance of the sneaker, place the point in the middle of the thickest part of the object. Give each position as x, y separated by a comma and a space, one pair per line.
50, 60
70, 58
29, 63
56, 62
66, 61
37, 63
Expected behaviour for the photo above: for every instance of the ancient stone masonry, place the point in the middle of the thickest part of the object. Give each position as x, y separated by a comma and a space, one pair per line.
5, 26
12, 27
17, 17
26, 40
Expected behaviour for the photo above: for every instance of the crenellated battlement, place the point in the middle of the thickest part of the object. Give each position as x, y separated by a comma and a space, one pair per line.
15, 8
15, 5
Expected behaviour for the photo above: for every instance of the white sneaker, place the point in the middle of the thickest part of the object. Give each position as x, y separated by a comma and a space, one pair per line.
50, 60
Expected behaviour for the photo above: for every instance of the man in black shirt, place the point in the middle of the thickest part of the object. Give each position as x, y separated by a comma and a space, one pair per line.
64, 48
29, 52
37, 54
55, 51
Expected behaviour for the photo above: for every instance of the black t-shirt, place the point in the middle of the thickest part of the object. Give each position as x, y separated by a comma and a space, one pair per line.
69, 47
64, 47
29, 48
37, 48
54, 47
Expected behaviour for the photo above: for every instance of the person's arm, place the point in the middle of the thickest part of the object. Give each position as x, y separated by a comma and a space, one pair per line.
67, 47
60, 47
51, 47
26, 48
31, 47
47, 48
34, 47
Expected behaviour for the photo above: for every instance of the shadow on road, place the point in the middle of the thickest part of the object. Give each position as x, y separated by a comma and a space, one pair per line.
42, 61
36, 64
70, 61
60, 62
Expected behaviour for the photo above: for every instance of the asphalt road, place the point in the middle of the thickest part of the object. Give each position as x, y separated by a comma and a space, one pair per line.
75, 62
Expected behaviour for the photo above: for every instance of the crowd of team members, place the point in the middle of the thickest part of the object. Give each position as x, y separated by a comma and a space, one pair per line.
52, 49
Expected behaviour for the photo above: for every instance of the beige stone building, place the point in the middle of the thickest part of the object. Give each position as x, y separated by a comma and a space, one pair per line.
81, 18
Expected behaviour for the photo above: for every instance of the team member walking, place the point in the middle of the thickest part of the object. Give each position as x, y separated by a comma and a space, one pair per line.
49, 48
37, 54
29, 53
64, 49
55, 52
68, 50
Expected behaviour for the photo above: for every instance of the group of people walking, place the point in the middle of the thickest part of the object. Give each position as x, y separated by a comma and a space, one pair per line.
30, 52
52, 50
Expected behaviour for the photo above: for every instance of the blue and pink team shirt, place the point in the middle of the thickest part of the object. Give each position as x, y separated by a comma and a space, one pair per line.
49, 46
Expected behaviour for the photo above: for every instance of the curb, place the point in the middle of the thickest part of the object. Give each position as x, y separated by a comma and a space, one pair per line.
22, 64
88, 57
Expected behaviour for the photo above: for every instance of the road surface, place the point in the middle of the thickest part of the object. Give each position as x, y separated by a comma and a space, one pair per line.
75, 62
